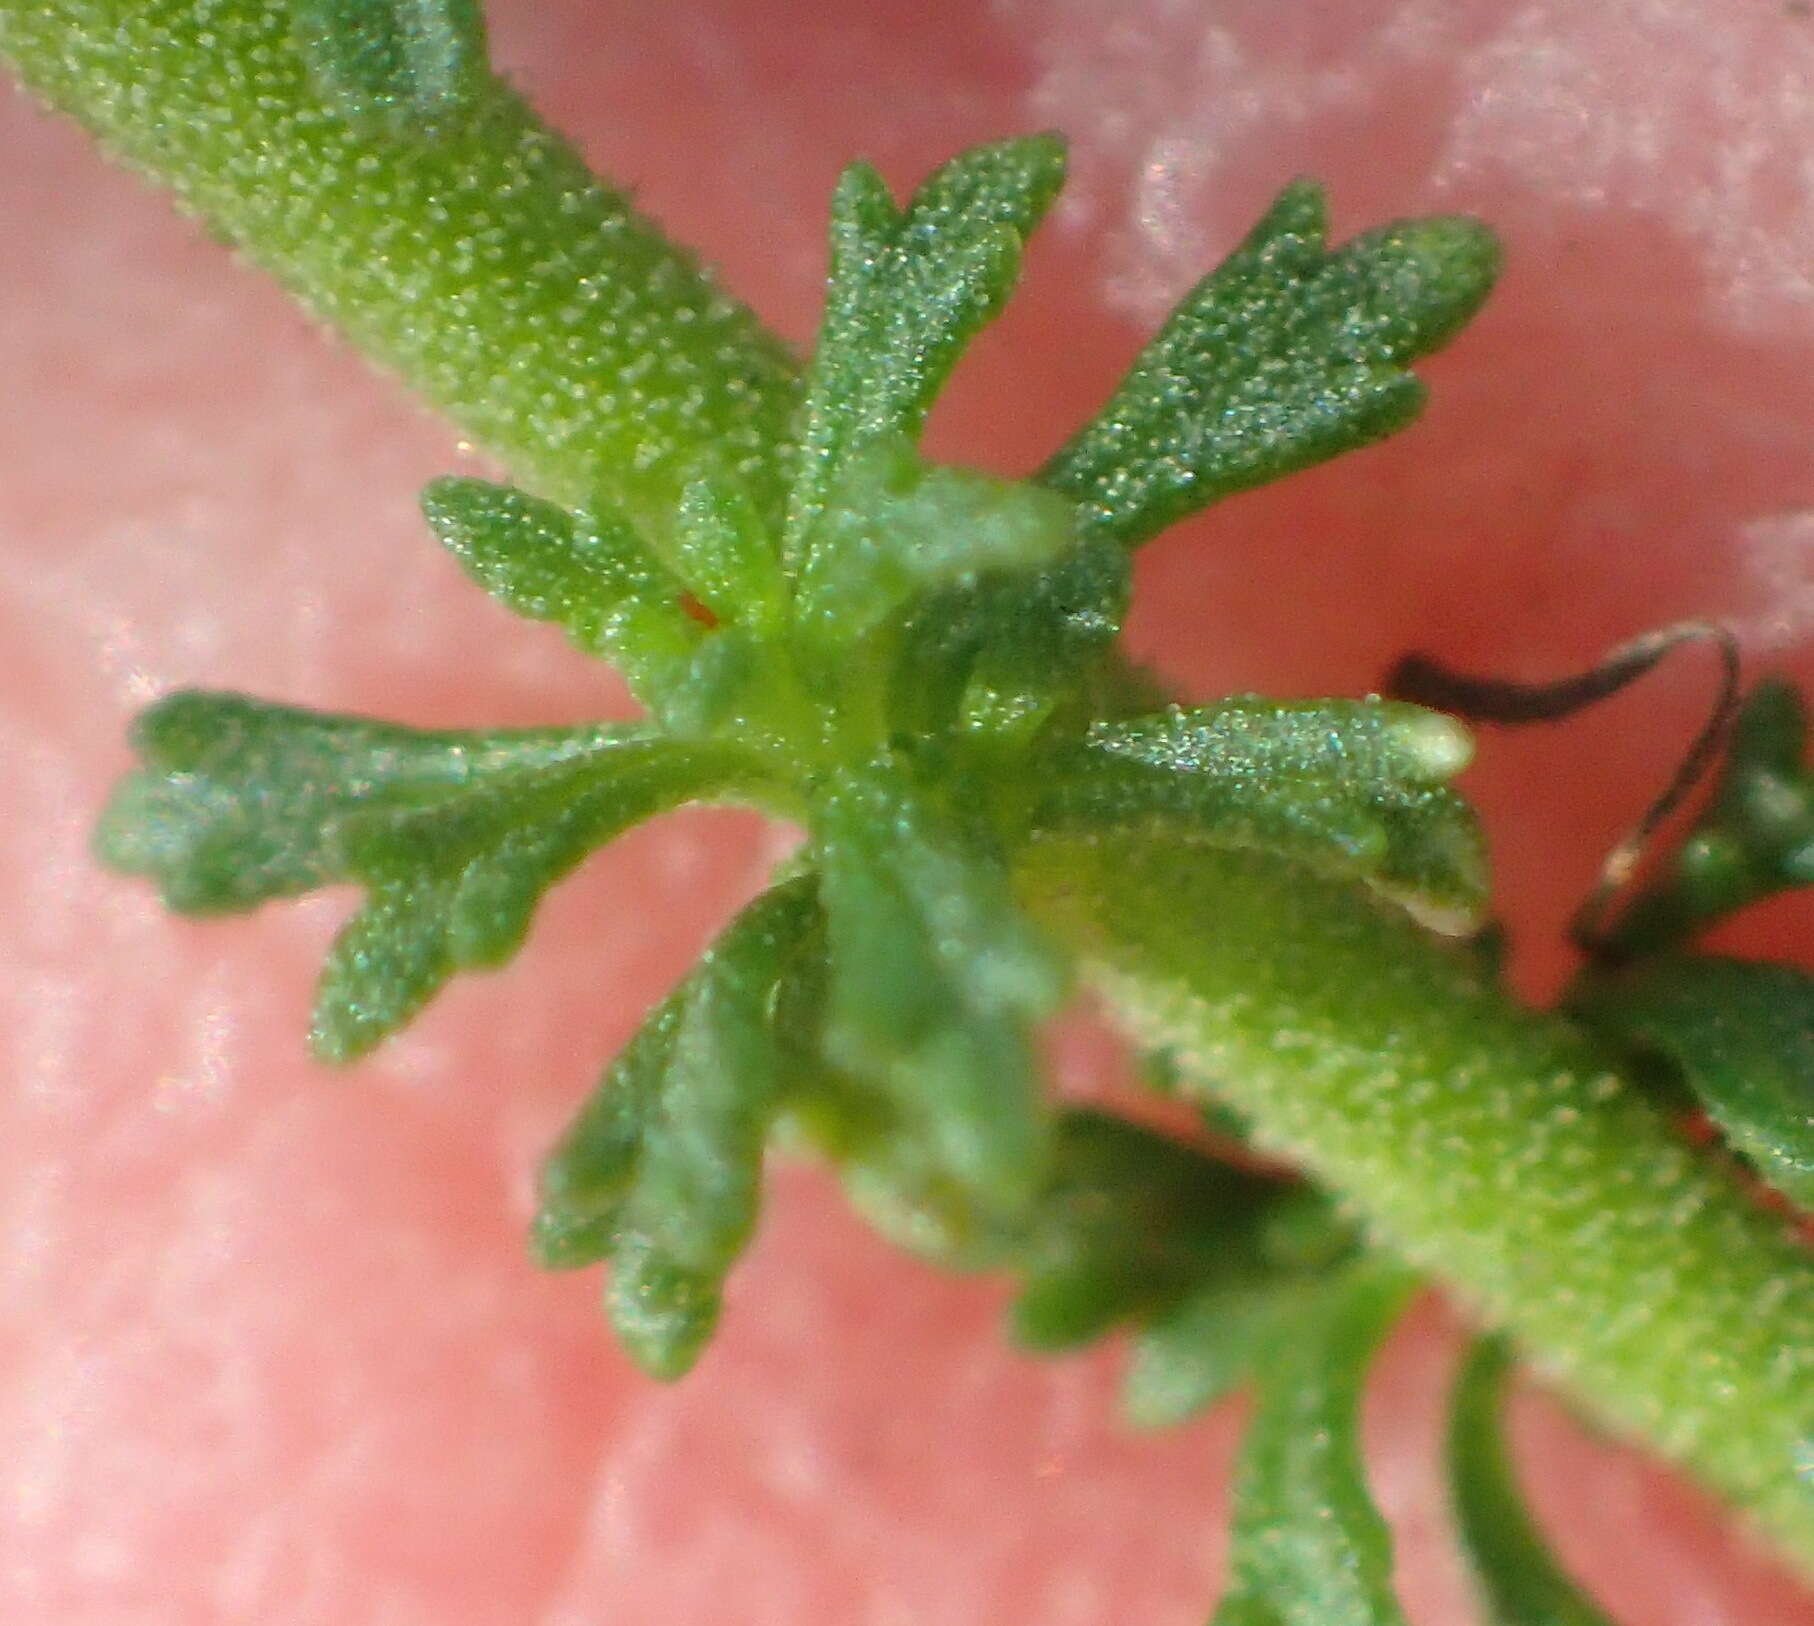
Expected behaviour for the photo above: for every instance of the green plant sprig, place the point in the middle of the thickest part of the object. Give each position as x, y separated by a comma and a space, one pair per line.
919, 665
1755, 837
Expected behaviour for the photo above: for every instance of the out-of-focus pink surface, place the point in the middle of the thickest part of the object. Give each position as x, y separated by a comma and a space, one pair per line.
269, 1346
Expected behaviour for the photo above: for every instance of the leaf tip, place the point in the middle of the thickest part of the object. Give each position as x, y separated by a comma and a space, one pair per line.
1431, 747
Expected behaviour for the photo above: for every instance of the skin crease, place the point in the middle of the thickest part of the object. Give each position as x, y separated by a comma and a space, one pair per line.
269, 1346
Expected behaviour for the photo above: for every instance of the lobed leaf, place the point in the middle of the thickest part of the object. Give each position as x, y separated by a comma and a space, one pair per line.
935, 978
890, 1164
995, 659
1284, 356
588, 572
907, 290
898, 527
1740, 1034
455, 835
1518, 1579
661, 1171
891, 1173
894, 1174
1256, 1288
454, 887
1207, 1346
1127, 1223
240, 801
585, 1179
663, 1313
1349, 787
724, 553
1309, 1547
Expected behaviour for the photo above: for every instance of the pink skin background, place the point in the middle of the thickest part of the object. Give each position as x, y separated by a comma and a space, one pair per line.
270, 1348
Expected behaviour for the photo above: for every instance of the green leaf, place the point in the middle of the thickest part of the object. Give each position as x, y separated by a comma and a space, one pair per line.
1755, 838
746, 690
907, 291
888, 1161
455, 886
1048, 655
240, 801
1206, 1347
997, 658
661, 1171
935, 978
1519, 1581
1128, 1222
587, 571
585, 1179
455, 835
1284, 356
898, 527
663, 1314
1741, 1035
389, 960
697, 1180
1353, 788
1362, 742
1309, 1547
1255, 1288
724, 553
405, 65
891, 1173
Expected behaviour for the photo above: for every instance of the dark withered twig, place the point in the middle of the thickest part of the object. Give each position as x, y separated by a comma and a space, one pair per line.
1425, 681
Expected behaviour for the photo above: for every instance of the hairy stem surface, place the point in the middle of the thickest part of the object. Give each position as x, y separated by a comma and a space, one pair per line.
475, 255
1485, 1143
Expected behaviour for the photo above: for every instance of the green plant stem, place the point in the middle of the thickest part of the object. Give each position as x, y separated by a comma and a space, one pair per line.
1486, 1143
477, 258
483, 264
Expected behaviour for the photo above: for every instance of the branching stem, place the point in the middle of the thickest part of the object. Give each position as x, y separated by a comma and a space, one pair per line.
479, 260
1488, 1144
